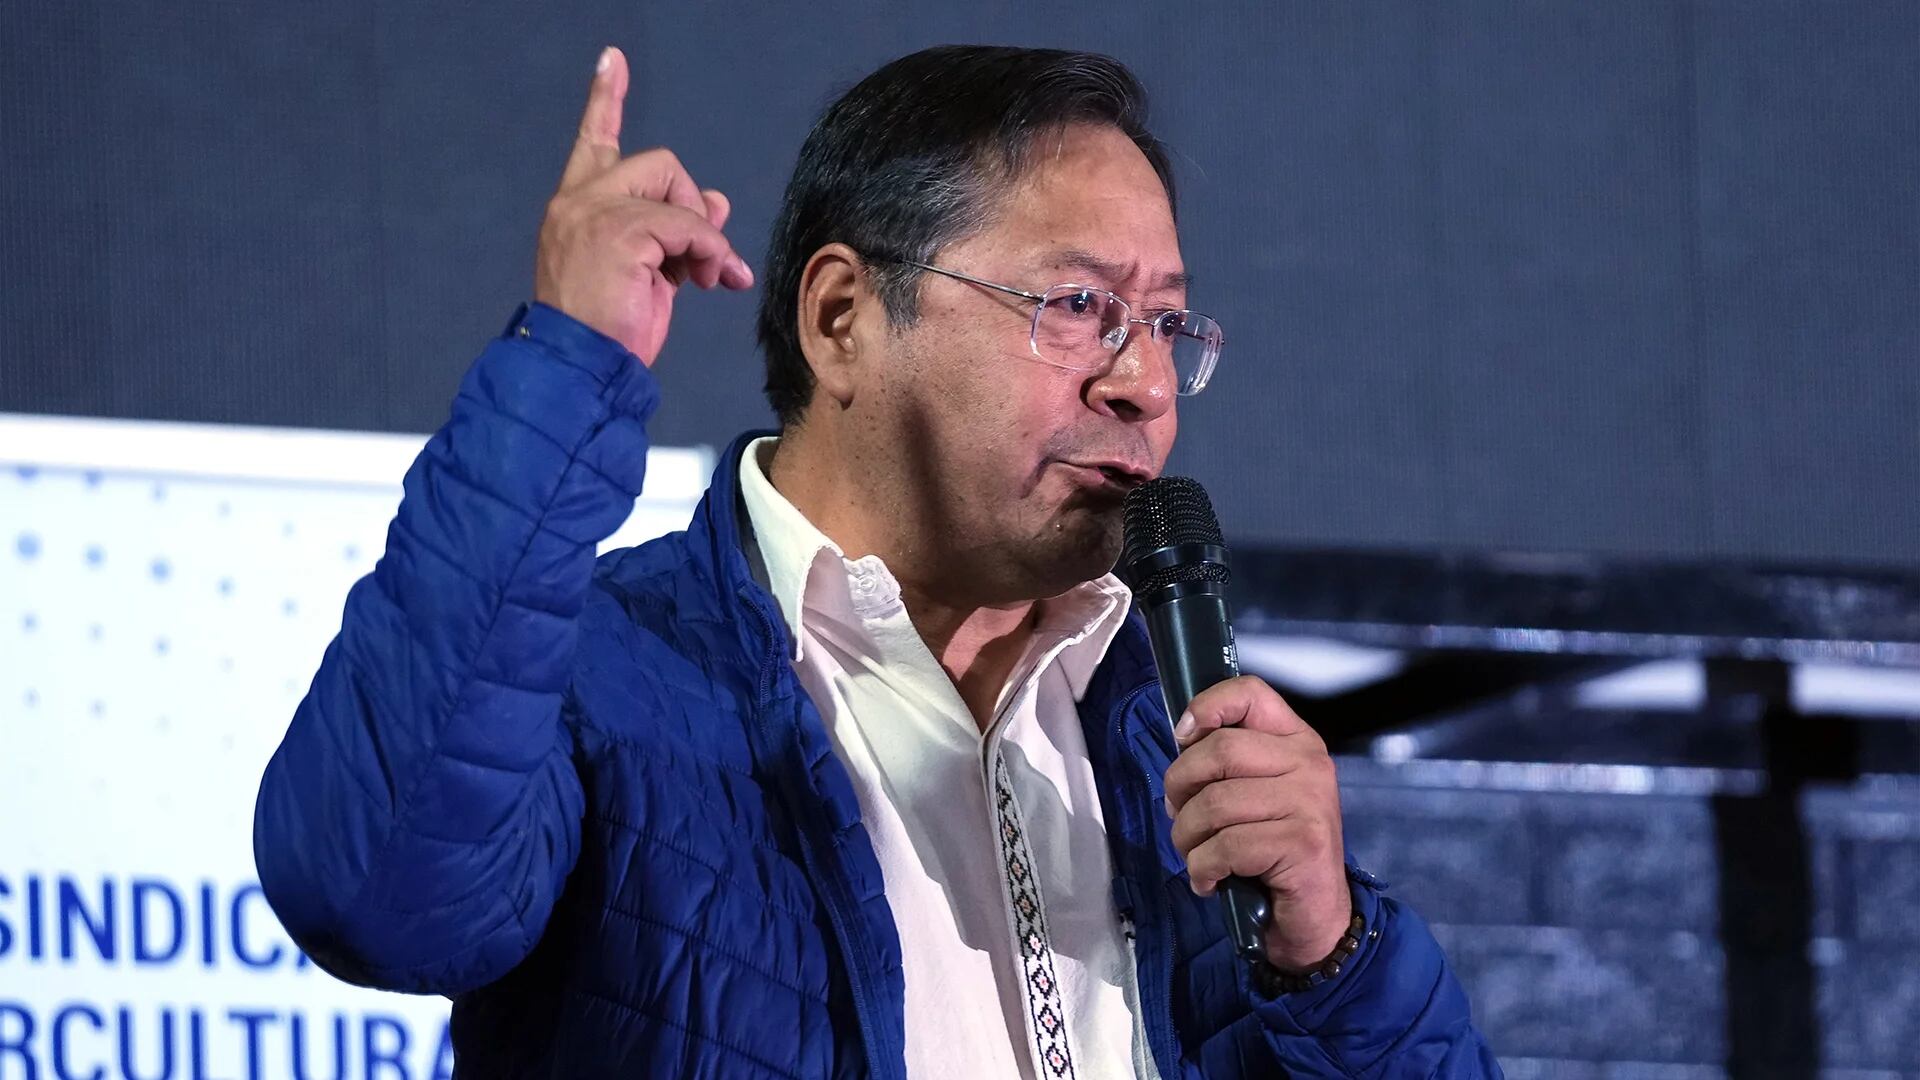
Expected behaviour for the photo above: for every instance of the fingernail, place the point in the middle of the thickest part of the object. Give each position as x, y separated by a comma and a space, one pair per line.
1183, 730
605, 62
740, 267
1167, 805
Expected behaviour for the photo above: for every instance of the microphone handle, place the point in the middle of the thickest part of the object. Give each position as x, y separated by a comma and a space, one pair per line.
1192, 640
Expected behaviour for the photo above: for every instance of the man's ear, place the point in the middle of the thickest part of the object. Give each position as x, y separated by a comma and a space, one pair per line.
834, 296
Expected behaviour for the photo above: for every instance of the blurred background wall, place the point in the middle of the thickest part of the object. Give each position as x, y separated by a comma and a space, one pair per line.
1631, 282
1639, 276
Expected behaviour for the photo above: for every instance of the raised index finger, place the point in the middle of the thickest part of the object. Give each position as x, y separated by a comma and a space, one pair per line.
598, 144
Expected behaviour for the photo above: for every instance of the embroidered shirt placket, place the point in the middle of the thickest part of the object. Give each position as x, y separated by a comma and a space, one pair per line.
1026, 906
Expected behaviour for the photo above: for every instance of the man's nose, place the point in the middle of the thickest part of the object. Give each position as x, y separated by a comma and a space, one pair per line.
1139, 384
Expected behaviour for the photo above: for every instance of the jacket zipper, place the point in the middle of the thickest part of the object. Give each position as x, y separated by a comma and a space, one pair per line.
1159, 1012
856, 982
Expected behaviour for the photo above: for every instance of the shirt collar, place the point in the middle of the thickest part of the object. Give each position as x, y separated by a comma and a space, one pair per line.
1088, 616
789, 544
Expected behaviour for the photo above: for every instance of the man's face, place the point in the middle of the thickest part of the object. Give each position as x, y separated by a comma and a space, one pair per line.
1019, 466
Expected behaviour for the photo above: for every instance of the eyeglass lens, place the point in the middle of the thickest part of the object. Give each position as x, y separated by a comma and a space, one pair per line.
1080, 329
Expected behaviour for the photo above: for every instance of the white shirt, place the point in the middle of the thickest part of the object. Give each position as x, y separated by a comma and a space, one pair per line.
992, 847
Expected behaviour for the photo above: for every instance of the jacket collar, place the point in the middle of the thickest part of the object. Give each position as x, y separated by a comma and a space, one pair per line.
714, 533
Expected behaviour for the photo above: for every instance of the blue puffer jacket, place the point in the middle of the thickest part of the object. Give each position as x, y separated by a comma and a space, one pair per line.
592, 804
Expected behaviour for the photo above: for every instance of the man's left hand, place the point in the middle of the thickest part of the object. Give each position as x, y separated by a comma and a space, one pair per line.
1252, 794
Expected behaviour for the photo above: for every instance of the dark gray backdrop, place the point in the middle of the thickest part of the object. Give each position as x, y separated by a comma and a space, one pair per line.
1635, 277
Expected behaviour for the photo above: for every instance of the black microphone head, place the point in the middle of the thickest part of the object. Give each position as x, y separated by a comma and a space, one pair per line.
1160, 514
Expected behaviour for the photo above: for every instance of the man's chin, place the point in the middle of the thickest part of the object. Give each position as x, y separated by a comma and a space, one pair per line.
1077, 543
1085, 543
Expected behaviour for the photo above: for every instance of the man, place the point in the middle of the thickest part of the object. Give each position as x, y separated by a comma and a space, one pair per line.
866, 773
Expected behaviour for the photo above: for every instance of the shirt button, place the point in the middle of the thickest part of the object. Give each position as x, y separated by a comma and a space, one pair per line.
865, 583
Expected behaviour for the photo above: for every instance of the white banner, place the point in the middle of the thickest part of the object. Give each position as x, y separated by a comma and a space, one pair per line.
166, 591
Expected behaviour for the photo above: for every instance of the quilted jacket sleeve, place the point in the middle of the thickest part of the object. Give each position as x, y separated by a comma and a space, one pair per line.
422, 812
1396, 1012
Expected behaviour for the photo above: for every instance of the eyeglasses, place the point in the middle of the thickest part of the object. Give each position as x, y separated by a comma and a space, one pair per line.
1081, 328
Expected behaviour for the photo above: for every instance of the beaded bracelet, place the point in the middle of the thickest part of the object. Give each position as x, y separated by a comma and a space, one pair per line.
1274, 982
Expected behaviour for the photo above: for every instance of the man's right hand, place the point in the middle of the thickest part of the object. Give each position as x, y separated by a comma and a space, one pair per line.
622, 234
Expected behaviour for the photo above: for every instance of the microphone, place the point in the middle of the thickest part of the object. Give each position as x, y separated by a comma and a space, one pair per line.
1175, 560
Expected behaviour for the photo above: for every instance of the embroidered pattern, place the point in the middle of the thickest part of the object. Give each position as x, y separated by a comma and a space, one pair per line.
1030, 929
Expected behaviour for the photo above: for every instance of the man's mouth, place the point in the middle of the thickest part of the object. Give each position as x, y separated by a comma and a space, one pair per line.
1118, 476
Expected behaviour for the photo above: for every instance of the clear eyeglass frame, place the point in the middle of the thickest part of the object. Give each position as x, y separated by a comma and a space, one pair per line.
1194, 339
